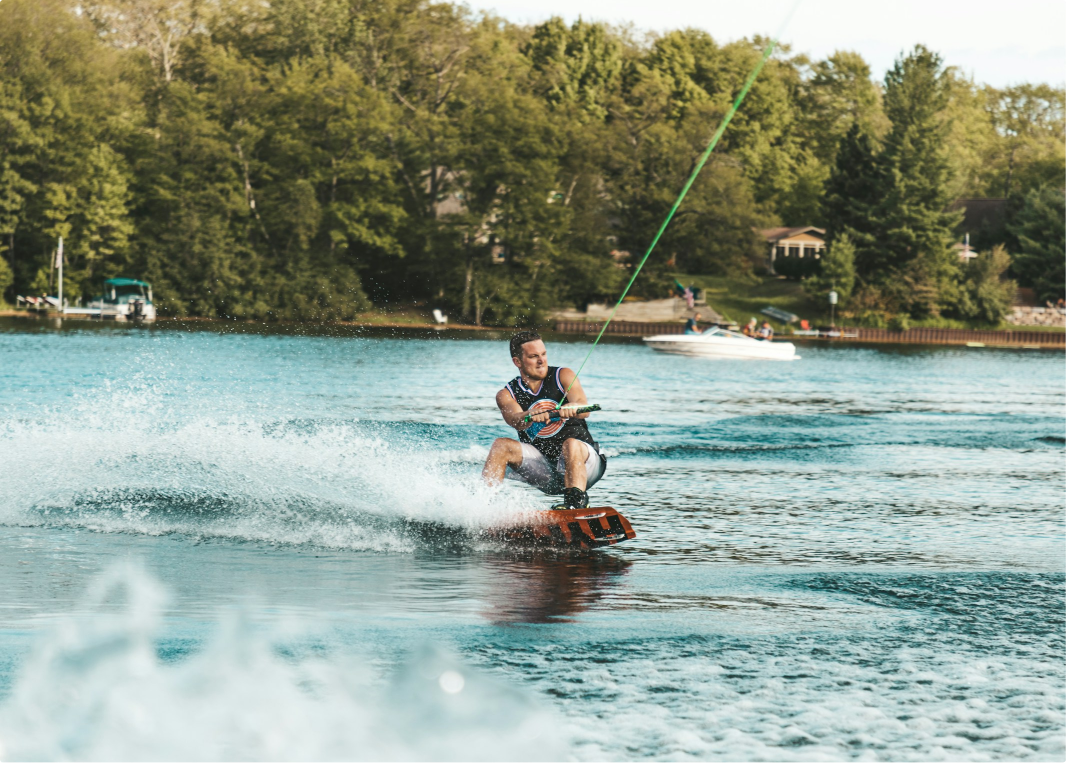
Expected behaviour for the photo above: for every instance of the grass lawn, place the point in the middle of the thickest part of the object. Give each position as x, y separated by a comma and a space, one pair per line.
739, 299
406, 315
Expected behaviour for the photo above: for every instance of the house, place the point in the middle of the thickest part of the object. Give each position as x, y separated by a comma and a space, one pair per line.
798, 243
984, 219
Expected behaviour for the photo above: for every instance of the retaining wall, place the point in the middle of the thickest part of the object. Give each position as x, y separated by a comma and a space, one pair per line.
1049, 339
1037, 316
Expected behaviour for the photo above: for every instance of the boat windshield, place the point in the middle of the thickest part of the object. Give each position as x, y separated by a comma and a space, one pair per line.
132, 290
717, 331
124, 292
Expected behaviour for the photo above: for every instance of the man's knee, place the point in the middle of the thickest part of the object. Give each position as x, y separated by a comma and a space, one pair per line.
505, 446
573, 448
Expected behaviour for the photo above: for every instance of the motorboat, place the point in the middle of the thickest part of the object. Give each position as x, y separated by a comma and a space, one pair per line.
721, 343
124, 299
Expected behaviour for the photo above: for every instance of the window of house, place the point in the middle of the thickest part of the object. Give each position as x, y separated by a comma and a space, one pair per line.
793, 251
780, 251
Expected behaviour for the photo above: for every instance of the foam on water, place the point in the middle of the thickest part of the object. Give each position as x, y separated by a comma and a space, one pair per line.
124, 460
859, 556
100, 687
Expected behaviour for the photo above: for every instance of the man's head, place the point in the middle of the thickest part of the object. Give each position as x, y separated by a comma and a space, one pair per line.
697, 316
529, 354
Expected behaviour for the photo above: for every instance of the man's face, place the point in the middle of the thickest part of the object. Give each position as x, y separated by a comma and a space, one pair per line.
533, 362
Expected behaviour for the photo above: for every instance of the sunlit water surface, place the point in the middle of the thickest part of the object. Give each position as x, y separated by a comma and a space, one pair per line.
267, 545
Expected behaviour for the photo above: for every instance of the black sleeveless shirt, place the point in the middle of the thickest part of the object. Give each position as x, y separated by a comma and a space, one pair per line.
549, 440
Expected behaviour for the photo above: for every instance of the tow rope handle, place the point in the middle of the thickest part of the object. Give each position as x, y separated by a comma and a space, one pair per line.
552, 415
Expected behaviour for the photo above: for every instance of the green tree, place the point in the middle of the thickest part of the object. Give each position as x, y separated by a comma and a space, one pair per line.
985, 294
1031, 120
891, 203
852, 195
580, 65
1040, 261
971, 135
18, 143
104, 227
837, 272
6, 279
912, 261
837, 96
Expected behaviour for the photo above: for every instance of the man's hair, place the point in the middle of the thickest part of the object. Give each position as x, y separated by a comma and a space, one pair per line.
520, 339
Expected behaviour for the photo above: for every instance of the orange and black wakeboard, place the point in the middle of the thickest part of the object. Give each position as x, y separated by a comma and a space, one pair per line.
569, 528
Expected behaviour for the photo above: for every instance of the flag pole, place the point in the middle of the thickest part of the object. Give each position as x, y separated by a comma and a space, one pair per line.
59, 265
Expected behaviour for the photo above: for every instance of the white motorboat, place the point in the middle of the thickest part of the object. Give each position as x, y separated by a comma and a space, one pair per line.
124, 299
720, 343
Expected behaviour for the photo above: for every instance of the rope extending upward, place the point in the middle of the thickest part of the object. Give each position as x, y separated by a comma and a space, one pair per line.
688, 184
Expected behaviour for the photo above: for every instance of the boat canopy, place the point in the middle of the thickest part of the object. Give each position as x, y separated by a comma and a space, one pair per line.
113, 282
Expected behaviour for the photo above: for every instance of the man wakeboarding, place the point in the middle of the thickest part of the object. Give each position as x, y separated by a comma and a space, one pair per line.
556, 456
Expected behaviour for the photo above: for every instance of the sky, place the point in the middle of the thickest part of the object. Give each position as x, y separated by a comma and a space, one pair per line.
998, 43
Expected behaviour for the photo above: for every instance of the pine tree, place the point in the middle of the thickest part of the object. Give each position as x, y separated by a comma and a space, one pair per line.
837, 272
1039, 228
916, 263
852, 194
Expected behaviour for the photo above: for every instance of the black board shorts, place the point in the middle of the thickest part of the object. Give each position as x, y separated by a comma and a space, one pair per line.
538, 471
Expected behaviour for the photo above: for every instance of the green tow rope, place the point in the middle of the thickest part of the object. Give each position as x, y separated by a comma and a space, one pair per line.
684, 191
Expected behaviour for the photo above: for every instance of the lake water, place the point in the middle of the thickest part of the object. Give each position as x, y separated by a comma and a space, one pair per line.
258, 544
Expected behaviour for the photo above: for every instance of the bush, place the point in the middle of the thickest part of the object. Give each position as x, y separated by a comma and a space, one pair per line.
836, 272
984, 294
900, 322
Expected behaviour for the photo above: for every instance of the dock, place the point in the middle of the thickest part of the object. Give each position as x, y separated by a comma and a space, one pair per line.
1050, 340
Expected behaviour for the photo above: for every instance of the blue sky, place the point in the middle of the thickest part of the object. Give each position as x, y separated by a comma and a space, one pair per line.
999, 42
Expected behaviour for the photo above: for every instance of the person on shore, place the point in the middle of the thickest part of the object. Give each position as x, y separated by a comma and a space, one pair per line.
692, 325
751, 328
765, 331
555, 456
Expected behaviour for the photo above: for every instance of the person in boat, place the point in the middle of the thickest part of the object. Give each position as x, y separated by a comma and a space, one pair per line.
751, 328
765, 331
692, 325
556, 456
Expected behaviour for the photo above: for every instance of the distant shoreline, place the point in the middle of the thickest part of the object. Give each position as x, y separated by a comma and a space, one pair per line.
249, 321
1041, 338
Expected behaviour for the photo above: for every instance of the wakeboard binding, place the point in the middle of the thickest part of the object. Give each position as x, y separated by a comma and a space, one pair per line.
573, 498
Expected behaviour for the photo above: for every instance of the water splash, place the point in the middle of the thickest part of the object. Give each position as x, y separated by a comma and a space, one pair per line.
98, 689
122, 461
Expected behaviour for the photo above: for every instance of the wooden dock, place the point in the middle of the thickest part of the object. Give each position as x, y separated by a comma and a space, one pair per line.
1052, 340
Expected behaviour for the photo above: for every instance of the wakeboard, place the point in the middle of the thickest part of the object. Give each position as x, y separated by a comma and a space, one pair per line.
568, 528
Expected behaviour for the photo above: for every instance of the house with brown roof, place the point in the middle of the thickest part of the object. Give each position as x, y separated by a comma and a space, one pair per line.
798, 243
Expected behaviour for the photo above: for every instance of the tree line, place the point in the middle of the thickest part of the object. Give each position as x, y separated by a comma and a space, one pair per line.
307, 160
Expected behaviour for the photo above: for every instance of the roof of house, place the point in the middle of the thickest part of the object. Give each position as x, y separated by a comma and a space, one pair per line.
981, 214
776, 234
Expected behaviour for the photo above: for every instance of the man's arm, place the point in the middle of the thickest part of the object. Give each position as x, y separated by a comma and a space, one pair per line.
512, 411
575, 397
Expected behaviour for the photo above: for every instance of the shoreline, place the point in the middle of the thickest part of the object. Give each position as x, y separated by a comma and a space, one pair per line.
250, 321
1047, 339
1025, 339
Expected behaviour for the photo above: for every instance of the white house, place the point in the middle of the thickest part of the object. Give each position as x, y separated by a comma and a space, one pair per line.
803, 242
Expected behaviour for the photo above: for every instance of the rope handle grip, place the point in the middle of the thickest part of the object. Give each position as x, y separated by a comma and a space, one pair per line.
555, 414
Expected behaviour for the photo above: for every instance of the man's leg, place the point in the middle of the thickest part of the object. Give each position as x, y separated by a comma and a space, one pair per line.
504, 453
575, 453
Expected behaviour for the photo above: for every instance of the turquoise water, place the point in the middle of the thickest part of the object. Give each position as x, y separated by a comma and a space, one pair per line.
266, 545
